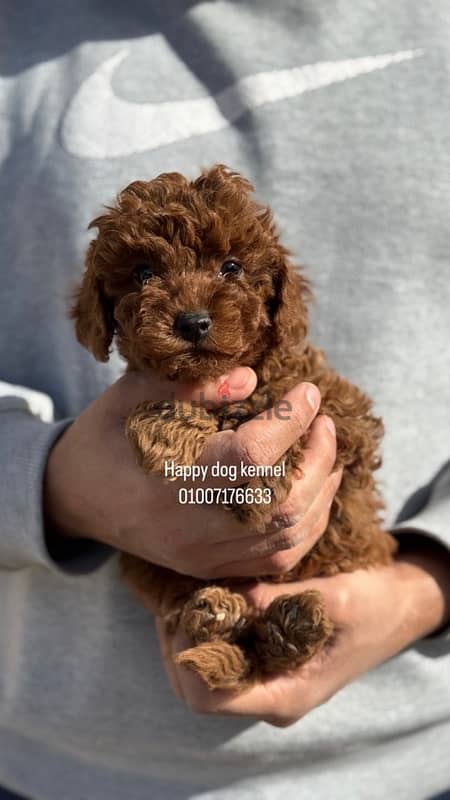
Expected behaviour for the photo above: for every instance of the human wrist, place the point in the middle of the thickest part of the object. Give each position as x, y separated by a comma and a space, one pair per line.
423, 567
60, 520
67, 544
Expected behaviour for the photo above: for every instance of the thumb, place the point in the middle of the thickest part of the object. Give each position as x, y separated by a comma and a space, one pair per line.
235, 385
136, 387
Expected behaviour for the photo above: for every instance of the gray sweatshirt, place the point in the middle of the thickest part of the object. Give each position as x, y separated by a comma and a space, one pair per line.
338, 112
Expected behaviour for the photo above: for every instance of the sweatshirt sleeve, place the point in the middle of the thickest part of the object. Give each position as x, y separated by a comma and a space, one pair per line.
428, 509
427, 513
27, 433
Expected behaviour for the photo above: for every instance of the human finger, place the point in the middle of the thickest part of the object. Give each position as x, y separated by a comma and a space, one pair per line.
238, 384
319, 459
137, 387
263, 440
279, 552
167, 655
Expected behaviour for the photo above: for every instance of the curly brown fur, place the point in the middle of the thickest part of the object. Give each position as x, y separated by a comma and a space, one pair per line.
159, 255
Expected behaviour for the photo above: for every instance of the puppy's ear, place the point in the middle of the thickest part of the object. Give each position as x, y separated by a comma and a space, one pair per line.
93, 312
288, 305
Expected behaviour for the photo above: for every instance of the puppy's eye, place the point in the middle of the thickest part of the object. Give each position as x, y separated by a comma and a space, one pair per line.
143, 273
230, 267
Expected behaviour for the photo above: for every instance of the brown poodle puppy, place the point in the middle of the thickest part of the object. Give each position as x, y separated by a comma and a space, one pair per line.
191, 279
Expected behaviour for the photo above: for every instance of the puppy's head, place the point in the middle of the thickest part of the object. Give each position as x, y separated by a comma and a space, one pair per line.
190, 278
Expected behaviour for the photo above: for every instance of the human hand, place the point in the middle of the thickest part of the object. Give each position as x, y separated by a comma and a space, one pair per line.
376, 614
95, 489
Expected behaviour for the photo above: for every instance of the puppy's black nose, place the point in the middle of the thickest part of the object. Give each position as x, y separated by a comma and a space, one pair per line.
193, 325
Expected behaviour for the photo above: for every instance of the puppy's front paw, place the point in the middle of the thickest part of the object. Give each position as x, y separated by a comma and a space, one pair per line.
169, 431
291, 631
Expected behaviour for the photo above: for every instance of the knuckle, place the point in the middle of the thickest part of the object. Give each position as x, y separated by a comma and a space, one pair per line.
198, 705
203, 573
286, 517
280, 542
300, 420
280, 562
251, 453
188, 563
281, 721
184, 563
341, 602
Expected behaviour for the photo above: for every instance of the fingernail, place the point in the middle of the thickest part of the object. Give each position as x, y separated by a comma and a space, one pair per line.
238, 378
313, 396
330, 425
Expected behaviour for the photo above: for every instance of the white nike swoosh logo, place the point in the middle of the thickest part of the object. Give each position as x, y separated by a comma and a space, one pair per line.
98, 124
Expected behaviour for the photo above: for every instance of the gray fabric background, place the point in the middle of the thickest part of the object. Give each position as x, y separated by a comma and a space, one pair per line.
358, 175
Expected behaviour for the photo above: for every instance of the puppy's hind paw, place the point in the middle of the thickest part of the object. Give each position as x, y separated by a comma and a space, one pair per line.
213, 613
291, 631
219, 664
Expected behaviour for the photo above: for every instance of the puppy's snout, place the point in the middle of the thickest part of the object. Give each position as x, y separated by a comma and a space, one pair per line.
193, 325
